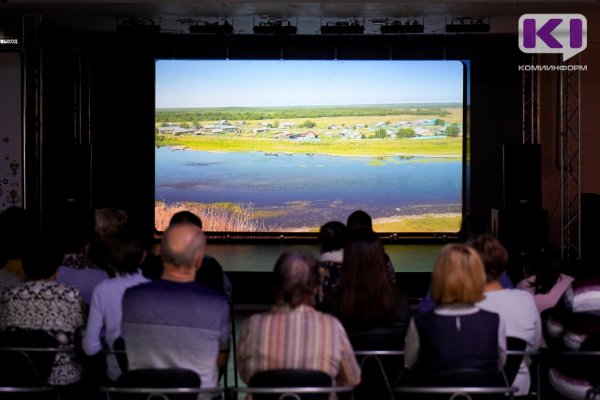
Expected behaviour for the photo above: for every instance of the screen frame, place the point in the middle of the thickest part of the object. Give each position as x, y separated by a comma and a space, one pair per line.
389, 236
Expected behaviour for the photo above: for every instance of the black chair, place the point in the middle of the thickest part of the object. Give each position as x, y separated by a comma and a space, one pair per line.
142, 384
475, 383
40, 347
291, 384
513, 361
455, 392
19, 379
379, 370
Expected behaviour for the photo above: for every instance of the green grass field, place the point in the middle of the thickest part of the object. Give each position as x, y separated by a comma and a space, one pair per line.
445, 147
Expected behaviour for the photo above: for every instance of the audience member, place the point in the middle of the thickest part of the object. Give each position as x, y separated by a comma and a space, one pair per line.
544, 280
456, 334
210, 275
373, 312
332, 239
16, 232
107, 222
104, 319
574, 320
8, 279
359, 220
44, 305
76, 268
293, 335
516, 307
174, 321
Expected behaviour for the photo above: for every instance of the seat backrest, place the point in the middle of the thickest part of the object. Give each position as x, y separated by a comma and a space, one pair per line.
513, 361
42, 361
462, 377
379, 370
160, 378
290, 378
157, 378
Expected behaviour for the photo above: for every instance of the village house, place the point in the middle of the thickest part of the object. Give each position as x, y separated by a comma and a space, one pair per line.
286, 125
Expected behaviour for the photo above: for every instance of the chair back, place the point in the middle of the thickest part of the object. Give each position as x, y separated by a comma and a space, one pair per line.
24, 339
292, 378
157, 379
19, 379
513, 361
379, 370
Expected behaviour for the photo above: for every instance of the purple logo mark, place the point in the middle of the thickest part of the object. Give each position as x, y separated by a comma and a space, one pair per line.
553, 33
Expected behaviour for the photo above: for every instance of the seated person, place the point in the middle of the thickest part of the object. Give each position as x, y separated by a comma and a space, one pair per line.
304, 338
544, 280
575, 319
175, 321
76, 268
516, 307
332, 239
45, 305
210, 275
374, 313
456, 334
104, 319
359, 220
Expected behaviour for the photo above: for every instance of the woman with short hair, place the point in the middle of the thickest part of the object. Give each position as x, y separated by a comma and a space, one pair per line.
456, 334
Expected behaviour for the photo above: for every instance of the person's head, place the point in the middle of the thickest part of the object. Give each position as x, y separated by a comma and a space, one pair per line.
359, 220
332, 236
458, 276
186, 216
366, 291
15, 233
109, 221
544, 264
125, 253
183, 247
472, 225
41, 260
493, 255
295, 279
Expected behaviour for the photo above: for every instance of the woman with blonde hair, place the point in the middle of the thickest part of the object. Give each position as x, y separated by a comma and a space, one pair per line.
456, 335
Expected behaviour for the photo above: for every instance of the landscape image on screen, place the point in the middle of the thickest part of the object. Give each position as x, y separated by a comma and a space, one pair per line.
285, 146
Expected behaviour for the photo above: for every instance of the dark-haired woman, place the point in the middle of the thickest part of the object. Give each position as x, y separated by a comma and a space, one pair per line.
545, 281
374, 313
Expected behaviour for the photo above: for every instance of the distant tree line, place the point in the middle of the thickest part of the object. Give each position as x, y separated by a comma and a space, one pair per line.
194, 115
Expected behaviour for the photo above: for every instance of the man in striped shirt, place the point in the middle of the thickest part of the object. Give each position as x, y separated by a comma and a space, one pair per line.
293, 335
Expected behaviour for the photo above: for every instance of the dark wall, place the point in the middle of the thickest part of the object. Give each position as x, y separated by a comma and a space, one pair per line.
112, 108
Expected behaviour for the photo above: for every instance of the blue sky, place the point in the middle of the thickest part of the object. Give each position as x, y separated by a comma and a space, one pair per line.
255, 83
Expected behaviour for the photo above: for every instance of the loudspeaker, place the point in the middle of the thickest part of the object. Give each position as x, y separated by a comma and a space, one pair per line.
522, 176
590, 229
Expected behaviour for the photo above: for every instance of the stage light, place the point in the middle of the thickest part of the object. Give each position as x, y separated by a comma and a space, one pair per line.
468, 25
411, 25
138, 26
275, 27
352, 26
219, 27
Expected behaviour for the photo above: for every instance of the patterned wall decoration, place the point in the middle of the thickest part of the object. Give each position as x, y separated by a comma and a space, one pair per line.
11, 133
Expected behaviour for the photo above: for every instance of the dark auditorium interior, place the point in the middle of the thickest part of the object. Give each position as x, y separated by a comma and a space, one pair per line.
77, 114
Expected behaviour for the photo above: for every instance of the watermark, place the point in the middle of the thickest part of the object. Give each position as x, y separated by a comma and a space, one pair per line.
8, 41
564, 34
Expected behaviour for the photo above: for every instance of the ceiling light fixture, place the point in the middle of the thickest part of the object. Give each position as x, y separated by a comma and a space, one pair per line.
410, 25
351, 26
468, 25
275, 27
219, 27
138, 26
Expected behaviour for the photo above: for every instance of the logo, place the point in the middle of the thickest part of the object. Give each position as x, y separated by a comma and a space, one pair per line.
564, 34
